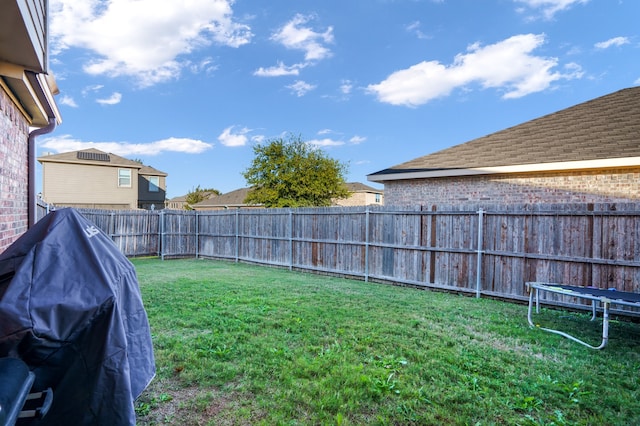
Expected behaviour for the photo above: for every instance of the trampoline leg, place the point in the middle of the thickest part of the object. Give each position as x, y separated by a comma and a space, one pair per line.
605, 325
531, 324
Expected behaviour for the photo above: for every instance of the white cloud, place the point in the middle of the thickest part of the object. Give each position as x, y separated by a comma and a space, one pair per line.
414, 28
346, 87
68, 101
66, 143
325, 131
301, 88
357, 139
206, 65
114, 99
616, 41
228, 138
295, 35
91, 89
325, 142
507, 65
550, 7
278, 70
144, 39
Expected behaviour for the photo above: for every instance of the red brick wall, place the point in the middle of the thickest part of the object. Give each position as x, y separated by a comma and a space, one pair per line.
596, 186
14, 135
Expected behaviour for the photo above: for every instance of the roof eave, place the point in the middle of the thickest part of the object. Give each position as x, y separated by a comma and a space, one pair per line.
607, 163
24, 33
46, 159
32, 93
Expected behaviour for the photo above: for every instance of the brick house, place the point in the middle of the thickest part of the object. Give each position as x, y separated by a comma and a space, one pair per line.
91, 178
27, 110
588, 153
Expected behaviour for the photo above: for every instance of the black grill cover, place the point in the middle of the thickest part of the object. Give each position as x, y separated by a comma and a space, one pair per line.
70, 308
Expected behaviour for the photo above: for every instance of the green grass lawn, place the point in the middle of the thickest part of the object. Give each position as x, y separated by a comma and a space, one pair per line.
239, 344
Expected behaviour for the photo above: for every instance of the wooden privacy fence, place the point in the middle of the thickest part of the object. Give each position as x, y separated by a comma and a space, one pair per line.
484, 251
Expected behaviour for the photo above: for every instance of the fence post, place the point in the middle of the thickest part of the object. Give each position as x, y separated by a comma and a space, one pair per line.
366, 245
480, 251
112, 226
290, 239
237, 235
197, 234
162, 236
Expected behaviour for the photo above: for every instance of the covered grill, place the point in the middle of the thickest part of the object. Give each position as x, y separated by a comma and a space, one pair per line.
70, 308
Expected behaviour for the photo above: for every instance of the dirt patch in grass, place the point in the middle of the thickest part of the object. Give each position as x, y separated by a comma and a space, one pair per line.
167, 402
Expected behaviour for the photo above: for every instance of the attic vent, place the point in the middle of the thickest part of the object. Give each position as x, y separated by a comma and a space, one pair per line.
93, 156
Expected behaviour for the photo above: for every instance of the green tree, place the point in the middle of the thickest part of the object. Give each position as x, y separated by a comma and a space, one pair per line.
292, 173
199, 194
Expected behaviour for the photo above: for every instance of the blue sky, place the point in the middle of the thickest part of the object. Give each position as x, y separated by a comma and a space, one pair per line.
190, 86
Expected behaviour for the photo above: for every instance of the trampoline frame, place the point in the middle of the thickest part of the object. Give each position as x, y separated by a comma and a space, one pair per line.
606, 298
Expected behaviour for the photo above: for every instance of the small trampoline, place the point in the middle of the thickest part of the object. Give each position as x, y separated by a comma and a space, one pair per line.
605, 298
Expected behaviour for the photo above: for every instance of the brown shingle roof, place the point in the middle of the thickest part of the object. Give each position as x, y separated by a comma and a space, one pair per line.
73, 157
151, 171
99, 158
230, 199
603, 128
361, 187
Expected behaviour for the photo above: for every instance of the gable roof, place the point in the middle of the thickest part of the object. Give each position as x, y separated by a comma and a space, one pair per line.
361, 187
179, 198
96, 157
150, 171
603, 132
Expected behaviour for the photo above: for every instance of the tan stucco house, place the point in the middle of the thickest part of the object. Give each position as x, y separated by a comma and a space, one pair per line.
27, 110
361, 195
92, 178
588, 153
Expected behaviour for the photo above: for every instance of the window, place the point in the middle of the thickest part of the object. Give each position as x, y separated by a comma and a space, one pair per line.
378, 198
154, 183
124, 178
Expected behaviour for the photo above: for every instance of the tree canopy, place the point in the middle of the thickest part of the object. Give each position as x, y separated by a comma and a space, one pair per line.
292, 173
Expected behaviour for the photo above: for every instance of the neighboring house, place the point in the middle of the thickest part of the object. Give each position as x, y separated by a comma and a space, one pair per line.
361, 195
230, 200
180, 203
27, 110
177, 203
588, 153
152, 188
91, 178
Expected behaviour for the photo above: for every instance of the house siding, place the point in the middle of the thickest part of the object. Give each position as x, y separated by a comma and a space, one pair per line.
594, 186
360, 199
14, 135
146, 198
80, 185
